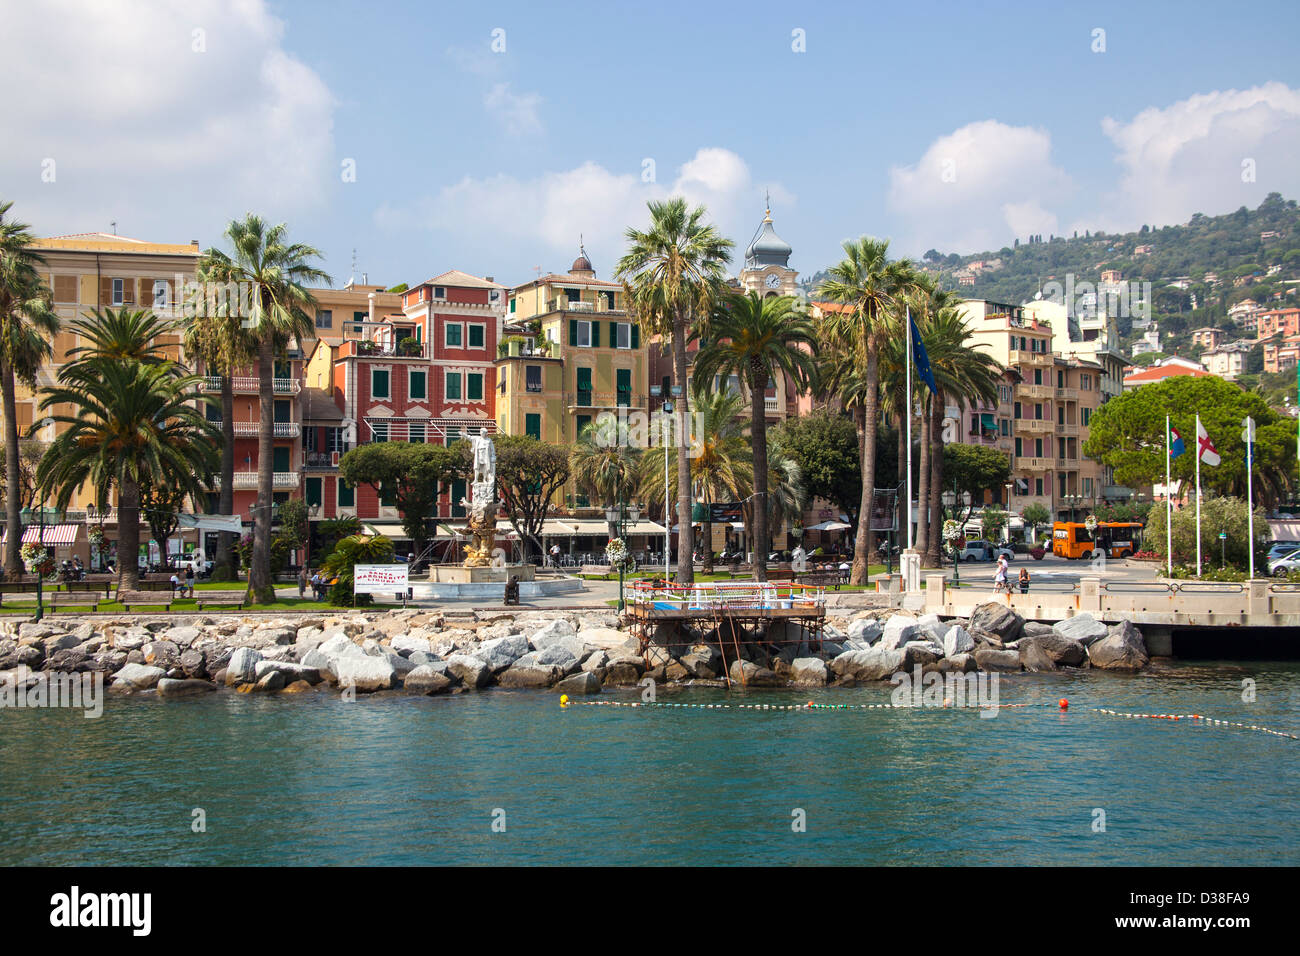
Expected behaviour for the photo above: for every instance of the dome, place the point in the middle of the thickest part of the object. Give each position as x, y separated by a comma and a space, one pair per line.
581, 264
767, 249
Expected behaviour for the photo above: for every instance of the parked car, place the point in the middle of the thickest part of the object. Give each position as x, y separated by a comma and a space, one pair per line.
1280, 549
202, 566
980, 550
1280, 567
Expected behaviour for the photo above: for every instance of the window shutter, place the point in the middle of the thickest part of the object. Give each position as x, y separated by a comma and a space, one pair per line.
128, 292
613, 335
636, 336
595, 335
105, 291
573, 332
146, 293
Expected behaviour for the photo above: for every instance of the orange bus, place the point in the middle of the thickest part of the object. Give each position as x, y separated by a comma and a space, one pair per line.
1115, 539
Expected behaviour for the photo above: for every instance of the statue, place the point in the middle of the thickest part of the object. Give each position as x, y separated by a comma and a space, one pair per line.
482, 505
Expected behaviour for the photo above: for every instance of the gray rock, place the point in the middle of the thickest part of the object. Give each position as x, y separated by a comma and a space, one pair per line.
269, 682
501, 652
167, 687
38, 631
426, 680
584, 682
1036, 629
998, 618
920, 652
525, 676
875, 663
957, 640
277, 635
959, 663
1033, 656
808, 671
990, 659
470, 671
750, 674
865, 631
59, 642
182, 636
624, 670
291, 671
365, 673
69, 659
194, 663
558, 655
932, 628
550, 633
1083, 628
161, 653
406, 645
595, 661
898, 630
1122, 649
132, 639
139, 676
1063, 651
242, 666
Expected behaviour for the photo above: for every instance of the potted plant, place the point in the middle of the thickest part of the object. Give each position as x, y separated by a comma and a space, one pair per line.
410, 346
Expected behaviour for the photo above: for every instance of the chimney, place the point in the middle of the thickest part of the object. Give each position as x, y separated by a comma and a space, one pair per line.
371, 297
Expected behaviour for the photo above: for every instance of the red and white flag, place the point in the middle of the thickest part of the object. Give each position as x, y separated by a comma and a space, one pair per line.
1204, 447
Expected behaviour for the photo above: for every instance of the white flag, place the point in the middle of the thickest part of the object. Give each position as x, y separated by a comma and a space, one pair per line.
1204, 447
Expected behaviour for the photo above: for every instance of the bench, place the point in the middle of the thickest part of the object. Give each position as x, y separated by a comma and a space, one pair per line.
163, 585
775, 575
96, 586
144, 598
81, 599
223, 598
832, 579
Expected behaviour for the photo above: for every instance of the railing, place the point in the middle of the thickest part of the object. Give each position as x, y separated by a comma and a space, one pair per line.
562, 304
1027, 357
254, 429
248, 479
1068, 394
1033, 464
320, 459
771, 404
243, 384
1034, 426
400, 350
1034, 391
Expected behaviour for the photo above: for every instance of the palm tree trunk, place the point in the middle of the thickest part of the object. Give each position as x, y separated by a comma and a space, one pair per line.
922, 543
758, 435
223, 568
933, 554
128, 537
13, 498
706, 532
870, 409
260, 588
685, 544
864, 517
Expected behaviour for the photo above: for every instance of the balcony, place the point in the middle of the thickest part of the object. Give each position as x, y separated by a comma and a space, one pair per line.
1035, 426
1034, 392
407, 348
1026, 357
247, 385
603, 400
1067, 394
1068, 429
601, 306
1033, 464
317, 460
248, 480
254, 429
772, 406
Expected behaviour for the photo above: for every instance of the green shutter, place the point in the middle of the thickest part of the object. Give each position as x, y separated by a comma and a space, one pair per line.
595, 335
613, 335
347, 495
533, 426
584, 379
573, 332
636, 336
280, 459
313, 492
624, 385
474, 386
453, 385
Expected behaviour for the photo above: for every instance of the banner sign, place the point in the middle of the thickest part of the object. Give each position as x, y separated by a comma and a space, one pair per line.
379, 579
721, 511
884, 505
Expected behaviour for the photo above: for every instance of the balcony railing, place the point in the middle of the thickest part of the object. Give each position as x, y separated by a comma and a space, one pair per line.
603, 400
1028, 357
1033, 464
1068, 394
244, 384
248, 479
321, 459
771, 405
254, 429
1034, 426
601, 306
1034, 391
415, 350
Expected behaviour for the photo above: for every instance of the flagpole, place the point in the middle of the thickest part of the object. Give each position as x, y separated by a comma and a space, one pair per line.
908, 352
1198, 494
1250, 499
1169, 504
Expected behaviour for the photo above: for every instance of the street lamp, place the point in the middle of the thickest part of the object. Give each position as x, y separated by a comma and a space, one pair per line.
950, 499
619, 515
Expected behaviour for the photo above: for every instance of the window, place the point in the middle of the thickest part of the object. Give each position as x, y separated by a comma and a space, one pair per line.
477, 336
280, 458
584, 386
283, 411
387, 496
1019, 447
623, 335
580, 423
474, 386
418, 387
512, 306
1085, 382
347, 495
312, 493
65, 288
453, 436
624, 384
452, 335
1038, 376
118, 291
415, 433
1017, 413
1087, 487
1060, 414
457, 496
379, 383
533, 378
573, 295
1060, 379
452, 389
324, 318
440, 292
360, 317
379, 431
1038, 487
1038, 411
533, 426
1005, 424
580, 333
1087, 415
1038, 448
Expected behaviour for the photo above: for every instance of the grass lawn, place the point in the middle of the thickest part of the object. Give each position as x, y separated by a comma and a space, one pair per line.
700, 576
181, 606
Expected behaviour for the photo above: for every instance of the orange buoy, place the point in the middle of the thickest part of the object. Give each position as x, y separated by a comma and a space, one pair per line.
1065, 704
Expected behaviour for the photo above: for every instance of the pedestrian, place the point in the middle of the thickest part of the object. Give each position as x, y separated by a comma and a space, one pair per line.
1024, 580
175, 583
1000, 578
302, 582
189, 579
315, 585
555, 556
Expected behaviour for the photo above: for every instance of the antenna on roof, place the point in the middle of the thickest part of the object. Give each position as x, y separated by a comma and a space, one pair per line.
113, 224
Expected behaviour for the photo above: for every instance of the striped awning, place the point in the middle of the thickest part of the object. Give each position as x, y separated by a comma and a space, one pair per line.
56, 535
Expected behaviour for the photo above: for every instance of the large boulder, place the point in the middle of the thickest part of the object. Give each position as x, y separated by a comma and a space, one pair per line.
990, 659
1083, 628
875, 663
957, 640
471, 671
898, 630
1033, 657
365, 673
167, 687
1036, 629
998, 618
750, 674
194, 664
624, 669
584, 682
242, 667
1064, 651
1122, 649
139, 676
547, 635
932, 628
529, 675
501, 652
959, 664
182, 636
405, 645
865, 631
160, 653
558, 655
808, 671
426, 680
920, 652
291, 671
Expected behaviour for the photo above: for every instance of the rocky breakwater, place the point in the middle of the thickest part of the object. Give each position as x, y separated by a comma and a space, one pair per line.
423, 652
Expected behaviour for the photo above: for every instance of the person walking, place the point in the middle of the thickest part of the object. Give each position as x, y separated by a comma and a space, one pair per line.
1024, 581
1000, 578
302, 582
189, 579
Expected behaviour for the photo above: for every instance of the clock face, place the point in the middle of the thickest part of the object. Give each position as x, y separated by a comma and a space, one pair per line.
773, 281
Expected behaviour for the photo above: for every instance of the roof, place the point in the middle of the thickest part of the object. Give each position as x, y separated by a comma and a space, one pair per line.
320, 406
1158, 373
567, 278
463, 280
107, 242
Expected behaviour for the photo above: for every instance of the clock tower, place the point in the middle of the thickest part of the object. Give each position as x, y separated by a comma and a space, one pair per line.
767, 270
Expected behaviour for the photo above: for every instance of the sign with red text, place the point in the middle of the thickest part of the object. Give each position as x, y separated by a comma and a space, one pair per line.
379, 579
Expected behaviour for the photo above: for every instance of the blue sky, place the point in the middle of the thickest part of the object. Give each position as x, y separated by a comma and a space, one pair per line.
958, 126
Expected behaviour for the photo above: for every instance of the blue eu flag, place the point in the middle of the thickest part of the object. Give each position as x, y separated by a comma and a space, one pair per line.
920, 358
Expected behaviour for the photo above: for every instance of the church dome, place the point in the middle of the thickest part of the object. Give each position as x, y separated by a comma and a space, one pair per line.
581, 264
767, 248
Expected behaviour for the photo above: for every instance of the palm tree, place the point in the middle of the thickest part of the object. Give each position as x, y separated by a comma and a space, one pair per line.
672, 273
134, 422
758, 339
218, 338
722, 465
604, 465
28, 324
276, 271
865, 284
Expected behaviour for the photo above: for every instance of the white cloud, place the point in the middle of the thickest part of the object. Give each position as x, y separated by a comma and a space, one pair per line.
516, 112
159, 126
977, 188
1187, 157
507, 217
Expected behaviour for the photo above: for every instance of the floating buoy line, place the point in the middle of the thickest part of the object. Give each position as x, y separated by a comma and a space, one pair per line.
1063, 705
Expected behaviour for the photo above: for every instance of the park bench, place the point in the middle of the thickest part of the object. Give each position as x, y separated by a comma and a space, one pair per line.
161, 585
826, 579
151, 598
233, 599
778, 575
65, 599
17, 587
96, 586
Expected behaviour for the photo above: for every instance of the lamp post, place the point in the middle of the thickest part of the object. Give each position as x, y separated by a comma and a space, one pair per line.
950, 499
668, 519
619, 515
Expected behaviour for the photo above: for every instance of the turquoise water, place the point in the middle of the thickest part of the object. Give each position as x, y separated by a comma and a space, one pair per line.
396, 780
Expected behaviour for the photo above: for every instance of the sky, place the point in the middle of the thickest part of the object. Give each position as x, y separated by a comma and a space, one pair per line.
489, 137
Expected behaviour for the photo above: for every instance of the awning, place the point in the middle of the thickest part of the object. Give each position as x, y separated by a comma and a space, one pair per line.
988, 422
232, 523
1282, 530
830, 526
56, 535
393, 531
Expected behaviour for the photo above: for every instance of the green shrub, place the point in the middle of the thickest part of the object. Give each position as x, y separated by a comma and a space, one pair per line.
347, 554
